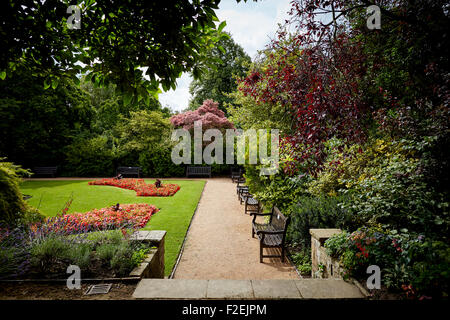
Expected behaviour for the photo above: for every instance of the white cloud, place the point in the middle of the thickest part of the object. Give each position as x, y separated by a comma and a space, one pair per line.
177, 99
250, 31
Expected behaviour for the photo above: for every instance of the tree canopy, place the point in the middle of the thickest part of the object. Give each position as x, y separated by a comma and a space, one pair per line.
137, 45
219, 79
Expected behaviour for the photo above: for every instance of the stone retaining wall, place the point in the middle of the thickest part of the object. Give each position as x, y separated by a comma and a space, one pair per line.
153, 265
322, 265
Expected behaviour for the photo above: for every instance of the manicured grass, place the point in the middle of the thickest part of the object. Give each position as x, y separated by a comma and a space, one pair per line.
174, 216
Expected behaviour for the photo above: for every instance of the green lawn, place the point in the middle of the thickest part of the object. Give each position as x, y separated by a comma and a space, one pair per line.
174, 216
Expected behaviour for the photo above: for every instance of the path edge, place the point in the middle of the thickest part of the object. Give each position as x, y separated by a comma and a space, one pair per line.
174, 269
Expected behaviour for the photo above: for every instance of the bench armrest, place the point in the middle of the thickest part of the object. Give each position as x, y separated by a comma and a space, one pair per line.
260, 214
254, 214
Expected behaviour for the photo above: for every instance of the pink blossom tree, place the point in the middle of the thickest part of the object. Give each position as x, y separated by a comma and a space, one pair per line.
208, 113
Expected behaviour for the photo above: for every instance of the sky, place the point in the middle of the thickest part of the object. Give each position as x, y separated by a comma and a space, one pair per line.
251, 24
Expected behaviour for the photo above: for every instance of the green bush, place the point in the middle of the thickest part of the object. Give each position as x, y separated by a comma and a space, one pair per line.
106, 252
122, 262
32, 215
409, 263
302, 261
47, 253
91, 157
316, 212
105, 237
279, 189
157, 162
12, 205
80, 254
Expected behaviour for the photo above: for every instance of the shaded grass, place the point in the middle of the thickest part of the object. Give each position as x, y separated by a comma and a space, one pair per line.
174, 216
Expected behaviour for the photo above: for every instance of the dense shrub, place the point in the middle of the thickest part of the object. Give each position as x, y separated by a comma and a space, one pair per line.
14, 252
410, 263
25, 254
208, 113
90, 157
316, 212
47, 253
12, 205
157, 162
279, 189
386, 183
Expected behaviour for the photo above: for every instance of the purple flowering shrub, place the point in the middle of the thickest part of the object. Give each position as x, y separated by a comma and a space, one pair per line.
14, 252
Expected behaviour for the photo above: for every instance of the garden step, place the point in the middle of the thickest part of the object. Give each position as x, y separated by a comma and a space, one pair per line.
246, 289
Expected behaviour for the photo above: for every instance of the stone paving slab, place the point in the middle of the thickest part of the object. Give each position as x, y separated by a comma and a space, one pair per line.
229, 289
246, 289
275, 289
327, 289
171, 289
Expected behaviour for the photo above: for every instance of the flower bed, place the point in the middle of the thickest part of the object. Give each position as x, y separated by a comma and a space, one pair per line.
104, 254
127, 215
139, 185
412, 264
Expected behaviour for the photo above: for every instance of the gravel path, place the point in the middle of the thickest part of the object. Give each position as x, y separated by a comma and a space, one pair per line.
219, 244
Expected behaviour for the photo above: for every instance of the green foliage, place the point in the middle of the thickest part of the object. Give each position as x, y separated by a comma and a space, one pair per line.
157, 162
229, 61
411, 263
80, 255
277, 190
124, 259
316, 212
106, 251
142, 131
139, 255
246, 113
32, 215
144, 140
12, 206
91, 156
54, 253
47, 253
117, 42
386, 183
100, 238
39, 123
302, 261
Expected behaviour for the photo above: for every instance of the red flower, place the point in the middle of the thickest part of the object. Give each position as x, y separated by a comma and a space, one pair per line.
139, 185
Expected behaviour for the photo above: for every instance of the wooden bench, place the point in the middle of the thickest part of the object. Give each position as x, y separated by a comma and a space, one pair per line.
129, 171
236, 175
240, 187
48, 171
252, 204
271, 234
198, 171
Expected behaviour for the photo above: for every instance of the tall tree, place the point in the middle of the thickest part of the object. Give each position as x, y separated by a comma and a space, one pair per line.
37, 124
115, 41
230, 61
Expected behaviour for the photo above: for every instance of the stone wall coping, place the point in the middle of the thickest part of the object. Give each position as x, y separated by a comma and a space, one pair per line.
149, 235
323, 234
